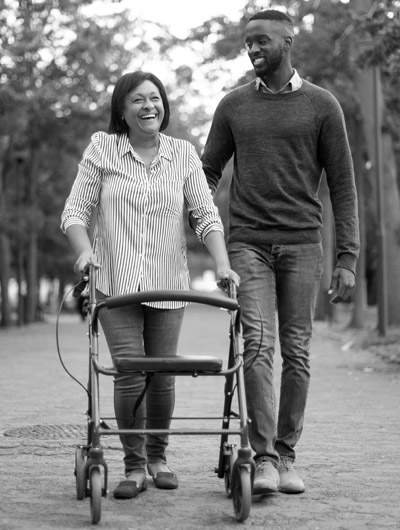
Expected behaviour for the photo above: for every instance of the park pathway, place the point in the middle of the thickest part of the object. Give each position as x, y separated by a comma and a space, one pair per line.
348, 454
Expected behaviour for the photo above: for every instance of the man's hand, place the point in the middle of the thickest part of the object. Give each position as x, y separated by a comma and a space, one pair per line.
342, 285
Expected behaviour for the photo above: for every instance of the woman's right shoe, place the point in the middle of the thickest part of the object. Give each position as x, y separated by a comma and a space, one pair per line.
164, 480
128, 489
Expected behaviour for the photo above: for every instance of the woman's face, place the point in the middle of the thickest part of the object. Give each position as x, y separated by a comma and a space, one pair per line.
144, 110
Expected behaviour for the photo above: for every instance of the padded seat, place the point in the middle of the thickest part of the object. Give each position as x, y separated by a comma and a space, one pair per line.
178, 363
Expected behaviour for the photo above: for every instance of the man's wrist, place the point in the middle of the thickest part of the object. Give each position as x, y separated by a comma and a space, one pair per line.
347, 261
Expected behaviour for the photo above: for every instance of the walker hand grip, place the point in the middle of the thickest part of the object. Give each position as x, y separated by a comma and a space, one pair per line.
198, 297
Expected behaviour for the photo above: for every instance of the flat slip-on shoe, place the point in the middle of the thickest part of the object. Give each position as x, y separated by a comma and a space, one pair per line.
164, 480
128, 489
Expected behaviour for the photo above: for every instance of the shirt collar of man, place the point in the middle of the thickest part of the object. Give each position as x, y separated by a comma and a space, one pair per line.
164, 149
292, 85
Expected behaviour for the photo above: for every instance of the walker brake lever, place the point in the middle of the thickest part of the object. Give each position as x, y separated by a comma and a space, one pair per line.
80, 286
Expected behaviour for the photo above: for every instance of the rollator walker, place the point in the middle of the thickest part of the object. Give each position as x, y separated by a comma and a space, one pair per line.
235, 464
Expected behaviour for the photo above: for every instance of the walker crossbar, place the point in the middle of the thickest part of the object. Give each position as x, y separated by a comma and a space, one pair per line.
175, 431
216, 300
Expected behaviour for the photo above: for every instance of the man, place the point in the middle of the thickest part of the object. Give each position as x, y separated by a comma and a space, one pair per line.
283, 132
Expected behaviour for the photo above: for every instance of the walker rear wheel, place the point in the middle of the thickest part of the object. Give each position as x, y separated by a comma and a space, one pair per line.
241, 493
80, 473
95, 494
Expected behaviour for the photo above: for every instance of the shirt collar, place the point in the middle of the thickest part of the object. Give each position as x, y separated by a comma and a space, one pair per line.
164, 150
293, 84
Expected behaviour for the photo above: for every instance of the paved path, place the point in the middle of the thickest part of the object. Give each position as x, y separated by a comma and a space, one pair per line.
348, 455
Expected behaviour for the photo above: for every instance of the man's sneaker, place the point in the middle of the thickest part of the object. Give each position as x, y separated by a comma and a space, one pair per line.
289, 480
266, 478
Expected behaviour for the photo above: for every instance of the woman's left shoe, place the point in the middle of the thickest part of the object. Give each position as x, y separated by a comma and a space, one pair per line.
129, 489
164, 480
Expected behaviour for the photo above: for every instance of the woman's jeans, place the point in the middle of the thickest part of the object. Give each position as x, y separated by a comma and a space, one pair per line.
282, 279
135, 331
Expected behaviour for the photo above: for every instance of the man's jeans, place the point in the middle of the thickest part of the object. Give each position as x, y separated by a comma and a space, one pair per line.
282, 279
135, 331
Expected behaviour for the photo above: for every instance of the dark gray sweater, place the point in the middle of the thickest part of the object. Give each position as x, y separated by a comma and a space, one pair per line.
281, 143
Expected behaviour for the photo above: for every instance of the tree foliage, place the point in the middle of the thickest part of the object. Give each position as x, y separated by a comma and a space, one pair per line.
58, 65
59, 60
327, 32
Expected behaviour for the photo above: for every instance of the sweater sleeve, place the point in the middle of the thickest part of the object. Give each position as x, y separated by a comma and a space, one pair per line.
219, 147
335, 155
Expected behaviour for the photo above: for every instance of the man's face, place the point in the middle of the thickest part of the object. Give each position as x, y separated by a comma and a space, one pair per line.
265, 43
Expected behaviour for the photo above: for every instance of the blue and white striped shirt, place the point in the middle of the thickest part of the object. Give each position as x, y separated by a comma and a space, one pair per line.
140, 221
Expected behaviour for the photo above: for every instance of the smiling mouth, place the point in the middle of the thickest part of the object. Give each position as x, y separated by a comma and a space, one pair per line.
258, 61
148, 117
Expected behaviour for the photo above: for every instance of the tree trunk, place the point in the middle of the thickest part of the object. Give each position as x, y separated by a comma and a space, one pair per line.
4, 279
380, 151
5, 252
392, 210
32, 250
360, 292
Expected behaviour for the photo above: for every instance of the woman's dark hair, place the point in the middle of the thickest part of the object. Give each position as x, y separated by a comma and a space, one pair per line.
123, 87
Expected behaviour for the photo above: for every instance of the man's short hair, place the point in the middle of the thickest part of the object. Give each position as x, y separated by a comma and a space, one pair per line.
273, 14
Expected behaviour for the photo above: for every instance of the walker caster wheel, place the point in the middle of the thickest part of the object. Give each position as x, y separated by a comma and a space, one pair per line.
241, 492
95, 493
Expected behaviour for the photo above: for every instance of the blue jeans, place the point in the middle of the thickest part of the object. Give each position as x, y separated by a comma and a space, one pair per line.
282, 280
140, 330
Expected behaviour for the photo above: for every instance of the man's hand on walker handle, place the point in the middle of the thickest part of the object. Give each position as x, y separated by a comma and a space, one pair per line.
85, 259
342, 285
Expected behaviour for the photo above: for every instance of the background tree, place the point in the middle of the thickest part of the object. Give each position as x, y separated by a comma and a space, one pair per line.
59, 60
376, 30
323, 53
58, 66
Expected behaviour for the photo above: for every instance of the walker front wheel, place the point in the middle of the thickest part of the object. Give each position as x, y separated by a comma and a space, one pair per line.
241, 493
95, 494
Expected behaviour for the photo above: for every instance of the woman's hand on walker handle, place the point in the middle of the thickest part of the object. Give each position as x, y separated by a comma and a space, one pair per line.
85, 258
224, 275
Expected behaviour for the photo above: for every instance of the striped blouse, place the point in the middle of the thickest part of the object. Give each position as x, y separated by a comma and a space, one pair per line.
139, 229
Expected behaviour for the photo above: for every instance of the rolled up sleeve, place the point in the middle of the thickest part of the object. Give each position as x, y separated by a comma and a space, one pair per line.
199, 200
85, 191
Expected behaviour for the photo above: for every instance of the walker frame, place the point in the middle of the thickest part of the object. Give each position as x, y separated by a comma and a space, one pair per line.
235, 464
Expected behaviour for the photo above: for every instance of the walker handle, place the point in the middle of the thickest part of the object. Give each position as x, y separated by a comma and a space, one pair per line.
198, 297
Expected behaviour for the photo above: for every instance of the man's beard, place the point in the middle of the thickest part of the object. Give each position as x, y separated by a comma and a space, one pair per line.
271, 66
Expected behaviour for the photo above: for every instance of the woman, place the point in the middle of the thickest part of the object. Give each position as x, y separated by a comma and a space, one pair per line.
140, 180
